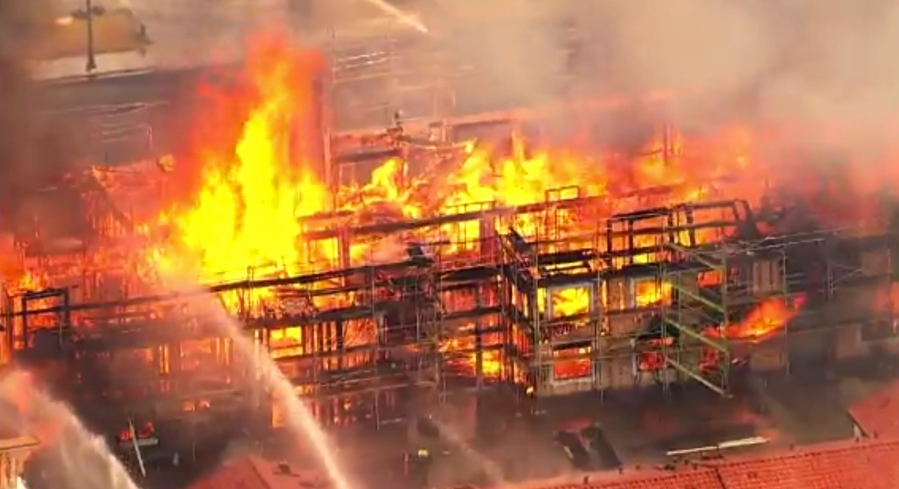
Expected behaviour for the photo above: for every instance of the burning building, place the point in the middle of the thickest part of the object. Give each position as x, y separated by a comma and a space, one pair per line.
384, 269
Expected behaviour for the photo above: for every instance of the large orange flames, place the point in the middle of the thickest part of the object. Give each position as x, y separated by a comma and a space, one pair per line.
253, 193
768, 317
246, 202
255, 189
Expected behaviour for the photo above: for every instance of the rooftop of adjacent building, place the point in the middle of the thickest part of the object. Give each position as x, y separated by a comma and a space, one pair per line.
804, 418
857, 464
877, 415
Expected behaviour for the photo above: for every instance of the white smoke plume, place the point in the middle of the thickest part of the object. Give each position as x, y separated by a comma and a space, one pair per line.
773, 62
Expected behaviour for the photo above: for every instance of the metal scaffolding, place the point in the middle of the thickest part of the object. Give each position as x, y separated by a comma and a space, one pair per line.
692, 312
644, 298
563, 295
396, 75
558, 296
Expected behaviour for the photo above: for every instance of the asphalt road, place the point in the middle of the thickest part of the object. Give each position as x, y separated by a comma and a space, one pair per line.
118, 112
153, 86
161, 102
125, 118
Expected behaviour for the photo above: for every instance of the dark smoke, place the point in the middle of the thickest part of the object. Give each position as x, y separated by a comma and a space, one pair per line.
32, 152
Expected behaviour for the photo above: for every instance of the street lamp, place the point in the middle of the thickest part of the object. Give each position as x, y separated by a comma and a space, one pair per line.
91, 60
87, 14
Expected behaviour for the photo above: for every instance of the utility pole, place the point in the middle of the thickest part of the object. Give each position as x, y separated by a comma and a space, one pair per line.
89, 13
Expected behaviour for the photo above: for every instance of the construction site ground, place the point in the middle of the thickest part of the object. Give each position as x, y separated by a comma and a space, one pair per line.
641, 427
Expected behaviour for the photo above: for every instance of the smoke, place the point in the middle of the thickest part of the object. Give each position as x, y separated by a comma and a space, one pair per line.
15, 106
190, 34
187, 34
32, 152
776, 62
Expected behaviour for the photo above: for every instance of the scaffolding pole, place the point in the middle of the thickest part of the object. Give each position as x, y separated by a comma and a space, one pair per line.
695, 319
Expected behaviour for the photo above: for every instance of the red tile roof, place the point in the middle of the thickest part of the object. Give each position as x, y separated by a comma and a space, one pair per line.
844, 465
852, 465
870, 464
236, 474
251, 472
682, 479
878, 414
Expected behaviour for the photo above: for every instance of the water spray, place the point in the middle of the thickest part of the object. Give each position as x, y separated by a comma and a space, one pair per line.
399, 15
84, 457
300, 420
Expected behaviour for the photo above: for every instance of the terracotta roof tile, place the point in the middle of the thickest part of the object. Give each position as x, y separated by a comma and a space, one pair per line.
683, 478
687, 479
254, 473
878, 414
240, 473
843, 466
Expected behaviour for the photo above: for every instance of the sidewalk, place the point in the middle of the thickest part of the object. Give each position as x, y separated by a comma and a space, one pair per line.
108, 65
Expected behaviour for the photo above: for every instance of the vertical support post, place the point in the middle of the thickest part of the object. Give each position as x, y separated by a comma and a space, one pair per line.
725, 362
784, 297
436, 303
377, 410
544, 370
91, 58
8, 328
24, 306
599, 305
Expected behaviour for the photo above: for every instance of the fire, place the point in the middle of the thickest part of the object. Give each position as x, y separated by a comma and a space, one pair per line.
768, 317
571, 302
465, 359
245, 217
252, 201
651, 292
30, 281
520, 179
886, 299
247, 209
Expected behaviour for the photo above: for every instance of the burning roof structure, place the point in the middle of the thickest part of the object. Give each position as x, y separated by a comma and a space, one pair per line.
456, 255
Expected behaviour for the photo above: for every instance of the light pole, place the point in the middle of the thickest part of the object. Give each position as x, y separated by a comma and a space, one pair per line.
89, 13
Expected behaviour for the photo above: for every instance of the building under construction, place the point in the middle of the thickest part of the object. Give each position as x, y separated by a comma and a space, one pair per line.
556, 296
